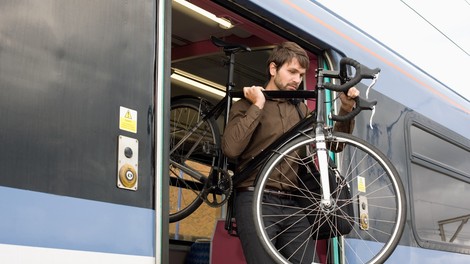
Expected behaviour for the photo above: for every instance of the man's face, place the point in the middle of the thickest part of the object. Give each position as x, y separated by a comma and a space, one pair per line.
289, 76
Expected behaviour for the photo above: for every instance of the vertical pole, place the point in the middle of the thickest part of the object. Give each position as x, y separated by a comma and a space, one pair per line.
161, 122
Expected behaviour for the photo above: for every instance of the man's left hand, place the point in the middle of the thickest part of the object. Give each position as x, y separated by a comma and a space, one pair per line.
347, 100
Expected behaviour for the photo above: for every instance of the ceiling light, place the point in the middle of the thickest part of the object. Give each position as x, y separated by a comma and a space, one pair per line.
225, 23
198, 82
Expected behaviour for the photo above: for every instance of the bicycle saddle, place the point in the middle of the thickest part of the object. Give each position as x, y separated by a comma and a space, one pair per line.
229, 47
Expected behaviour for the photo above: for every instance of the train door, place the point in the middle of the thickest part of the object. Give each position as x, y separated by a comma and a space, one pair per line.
77, 160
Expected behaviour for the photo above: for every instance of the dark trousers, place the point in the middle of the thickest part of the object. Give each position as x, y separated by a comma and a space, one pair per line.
252, 248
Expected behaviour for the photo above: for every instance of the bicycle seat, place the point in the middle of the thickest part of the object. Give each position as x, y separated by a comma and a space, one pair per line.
229, 47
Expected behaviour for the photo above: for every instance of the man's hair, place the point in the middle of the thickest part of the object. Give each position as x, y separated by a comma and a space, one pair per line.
285, 52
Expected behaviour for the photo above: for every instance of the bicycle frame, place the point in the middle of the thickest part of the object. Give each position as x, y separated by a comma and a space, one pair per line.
316, 121
304, 126
329, 207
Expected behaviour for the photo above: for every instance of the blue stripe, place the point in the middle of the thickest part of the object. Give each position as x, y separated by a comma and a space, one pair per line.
404, 254
45, 220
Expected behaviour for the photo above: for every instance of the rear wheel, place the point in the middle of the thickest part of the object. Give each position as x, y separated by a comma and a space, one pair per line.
373, 214
194, 145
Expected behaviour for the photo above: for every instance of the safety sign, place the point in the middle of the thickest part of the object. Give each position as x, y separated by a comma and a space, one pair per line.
127, 119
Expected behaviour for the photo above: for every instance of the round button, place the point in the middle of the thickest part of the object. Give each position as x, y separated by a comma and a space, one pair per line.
129, 175
128, 152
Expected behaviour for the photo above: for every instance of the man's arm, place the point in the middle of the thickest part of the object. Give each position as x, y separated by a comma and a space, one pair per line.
347, 105
243, 119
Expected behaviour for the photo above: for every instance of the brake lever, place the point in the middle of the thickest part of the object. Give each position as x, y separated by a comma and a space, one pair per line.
374, 80
371, 118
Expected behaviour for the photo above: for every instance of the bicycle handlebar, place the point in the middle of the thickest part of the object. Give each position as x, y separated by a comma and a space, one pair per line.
361, 104
362, 72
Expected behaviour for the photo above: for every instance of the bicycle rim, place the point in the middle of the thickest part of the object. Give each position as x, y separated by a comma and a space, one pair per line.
377, 203
196, 150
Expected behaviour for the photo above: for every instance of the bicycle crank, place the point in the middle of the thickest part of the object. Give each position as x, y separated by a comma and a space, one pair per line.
217, 191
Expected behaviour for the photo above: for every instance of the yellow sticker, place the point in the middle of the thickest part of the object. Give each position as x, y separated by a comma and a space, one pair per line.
361, 184
127, 119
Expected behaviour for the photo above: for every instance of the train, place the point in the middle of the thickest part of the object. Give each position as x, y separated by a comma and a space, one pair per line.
86, 89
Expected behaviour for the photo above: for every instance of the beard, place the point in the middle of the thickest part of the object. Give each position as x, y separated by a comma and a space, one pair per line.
285, 86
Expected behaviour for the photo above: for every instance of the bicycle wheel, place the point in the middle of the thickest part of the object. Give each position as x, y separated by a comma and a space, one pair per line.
376, 194
194, 148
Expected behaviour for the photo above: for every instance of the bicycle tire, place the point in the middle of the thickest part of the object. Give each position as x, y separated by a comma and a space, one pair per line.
367, 172
198, 152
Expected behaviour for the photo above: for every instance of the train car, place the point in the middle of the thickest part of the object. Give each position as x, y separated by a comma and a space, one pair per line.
85, 98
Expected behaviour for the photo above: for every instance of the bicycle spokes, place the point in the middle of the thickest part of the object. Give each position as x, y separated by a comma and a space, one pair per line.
367, 206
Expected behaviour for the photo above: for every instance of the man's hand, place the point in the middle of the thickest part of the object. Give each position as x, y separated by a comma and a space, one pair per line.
255, 95
347, 101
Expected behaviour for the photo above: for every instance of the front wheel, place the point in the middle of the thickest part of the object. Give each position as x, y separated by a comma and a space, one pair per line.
368, 208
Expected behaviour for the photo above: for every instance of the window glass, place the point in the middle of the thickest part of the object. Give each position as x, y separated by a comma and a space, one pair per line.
439, 151
440, 206
440, 189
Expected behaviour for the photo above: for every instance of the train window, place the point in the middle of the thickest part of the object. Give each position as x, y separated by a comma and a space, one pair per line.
440, 190
441, 151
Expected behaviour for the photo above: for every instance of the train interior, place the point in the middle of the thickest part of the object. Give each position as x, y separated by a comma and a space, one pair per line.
195, 57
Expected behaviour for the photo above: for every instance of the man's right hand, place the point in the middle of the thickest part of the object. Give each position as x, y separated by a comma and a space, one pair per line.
255, 95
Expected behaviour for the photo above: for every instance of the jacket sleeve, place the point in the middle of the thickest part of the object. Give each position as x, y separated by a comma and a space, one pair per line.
243, 120
346, 126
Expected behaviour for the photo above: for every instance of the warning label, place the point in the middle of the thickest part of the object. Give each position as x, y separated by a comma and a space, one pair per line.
361, 184
127, 119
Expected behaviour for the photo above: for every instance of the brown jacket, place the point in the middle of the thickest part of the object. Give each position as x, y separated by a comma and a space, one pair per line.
251, 130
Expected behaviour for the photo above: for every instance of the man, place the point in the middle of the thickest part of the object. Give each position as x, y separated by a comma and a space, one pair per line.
254, 123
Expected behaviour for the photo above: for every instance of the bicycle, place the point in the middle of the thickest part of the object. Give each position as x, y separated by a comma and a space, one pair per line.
377, 196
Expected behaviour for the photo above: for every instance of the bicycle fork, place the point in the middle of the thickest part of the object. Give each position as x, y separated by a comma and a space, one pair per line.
322, 156
322, 151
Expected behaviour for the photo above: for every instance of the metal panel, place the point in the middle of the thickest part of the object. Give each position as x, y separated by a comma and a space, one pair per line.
66, 68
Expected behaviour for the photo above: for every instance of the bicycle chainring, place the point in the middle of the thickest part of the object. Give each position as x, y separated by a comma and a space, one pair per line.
216, 193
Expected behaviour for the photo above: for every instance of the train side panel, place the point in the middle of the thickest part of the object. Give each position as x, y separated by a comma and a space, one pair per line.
75, 78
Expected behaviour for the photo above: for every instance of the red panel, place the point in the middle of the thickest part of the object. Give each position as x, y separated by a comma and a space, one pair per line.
225, 249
